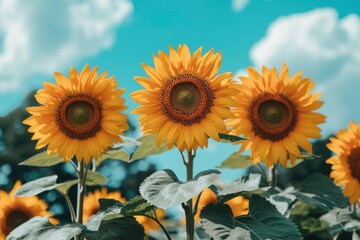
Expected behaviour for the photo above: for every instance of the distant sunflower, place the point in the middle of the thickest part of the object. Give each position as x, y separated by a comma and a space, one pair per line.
79, 116
239, 205
346, 163
14, 211
276, 114
91, 201
184, 102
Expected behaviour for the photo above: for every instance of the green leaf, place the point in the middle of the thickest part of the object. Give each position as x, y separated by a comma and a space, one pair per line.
118, 154
95, 178
109, 209
236, 160
43, 160
148, 147
262, 222
321, 191
139, 206
37, 186
40, 228
64, 187
243, 184
230, 138
164, 190
126, 228
348, 220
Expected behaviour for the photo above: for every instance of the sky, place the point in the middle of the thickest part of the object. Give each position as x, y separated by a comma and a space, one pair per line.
318, 37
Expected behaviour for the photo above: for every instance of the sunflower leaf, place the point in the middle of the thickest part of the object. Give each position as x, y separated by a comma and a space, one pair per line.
236, 160
41, 229
262, 222
320, 190
43, 160
164, 190
126, 228
243, 184
95, 178
230, 138
148, 147
38, 186
64, 187
138, 206
117, 154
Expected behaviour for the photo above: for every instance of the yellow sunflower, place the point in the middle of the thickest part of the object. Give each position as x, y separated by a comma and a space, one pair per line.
346, 163
239, 205
184, 101
16, 210
91, 201
277, 115
79, 116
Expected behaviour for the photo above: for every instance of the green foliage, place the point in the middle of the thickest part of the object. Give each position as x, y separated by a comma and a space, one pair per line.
148, 147
64, 187
164, 190
41, 229
38, 186
126, 228
95, 178
262, 222
43, 160
139, 206
230, 138
117, 154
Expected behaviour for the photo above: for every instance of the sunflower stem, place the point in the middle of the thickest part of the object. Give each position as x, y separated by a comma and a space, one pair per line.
82, 173
71, 208
196, 204
262, 171
188, 207
272, 176
162, 227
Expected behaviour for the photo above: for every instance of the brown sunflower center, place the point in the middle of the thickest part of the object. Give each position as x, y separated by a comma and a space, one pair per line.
186, 99
354, 163
273, 116
14, 219
79, 116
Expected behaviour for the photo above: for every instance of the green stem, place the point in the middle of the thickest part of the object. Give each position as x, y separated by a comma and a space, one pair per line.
71, 208
272, 176
262, 171
162, 227
82, 173
190, 225
196, 204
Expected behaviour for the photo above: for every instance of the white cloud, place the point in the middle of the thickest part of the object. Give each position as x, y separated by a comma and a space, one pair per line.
239, 5
41, 36
327, 49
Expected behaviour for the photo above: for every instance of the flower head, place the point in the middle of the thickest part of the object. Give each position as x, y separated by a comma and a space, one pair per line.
14, 211
276, 114
79, 116
346, 163
184, 101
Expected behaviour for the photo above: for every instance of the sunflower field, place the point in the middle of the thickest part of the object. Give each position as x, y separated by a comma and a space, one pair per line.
294, 185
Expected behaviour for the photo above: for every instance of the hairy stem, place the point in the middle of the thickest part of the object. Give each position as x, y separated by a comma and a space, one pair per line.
82, 173
272, 176
188, 207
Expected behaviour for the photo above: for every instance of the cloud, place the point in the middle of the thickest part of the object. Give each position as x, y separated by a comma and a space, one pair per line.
41, 36
239, 5
327, 49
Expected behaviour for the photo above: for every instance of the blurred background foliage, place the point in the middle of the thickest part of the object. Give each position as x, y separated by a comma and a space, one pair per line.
16, 146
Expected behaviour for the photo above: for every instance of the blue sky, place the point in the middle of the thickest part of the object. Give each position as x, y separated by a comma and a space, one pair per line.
320, 38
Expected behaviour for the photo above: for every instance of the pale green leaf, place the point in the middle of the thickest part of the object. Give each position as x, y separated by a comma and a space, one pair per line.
118, 154
230, 138
164, 190
38, 186
95, 178
236, 160
40, 228
148, 147
43, 160
64, 187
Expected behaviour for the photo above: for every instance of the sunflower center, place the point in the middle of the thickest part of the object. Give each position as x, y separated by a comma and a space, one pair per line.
79, 116
186, 99
14, 219
273, 116
354, 163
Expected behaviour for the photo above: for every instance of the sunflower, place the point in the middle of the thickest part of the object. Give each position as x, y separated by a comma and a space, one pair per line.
276, 114
14, 211
239, 205
79, 115
346, 163
91, 201
184, 102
